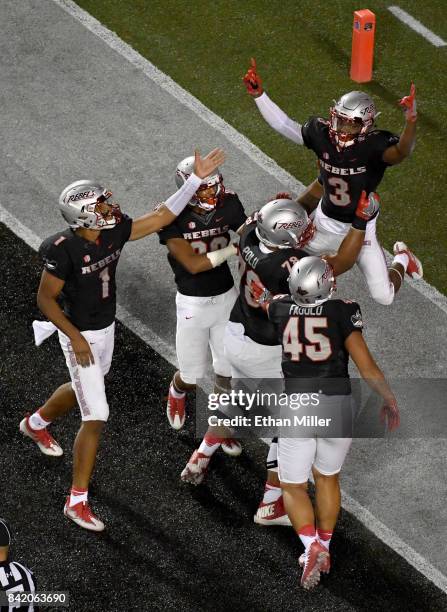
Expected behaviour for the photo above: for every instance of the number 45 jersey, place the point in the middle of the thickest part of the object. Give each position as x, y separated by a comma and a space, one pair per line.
346, 173
313, 339
268, 268
205, 233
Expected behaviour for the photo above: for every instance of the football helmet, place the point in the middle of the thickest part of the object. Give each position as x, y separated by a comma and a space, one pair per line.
351, 117
80, 203
284, 224
311, 281
212, 185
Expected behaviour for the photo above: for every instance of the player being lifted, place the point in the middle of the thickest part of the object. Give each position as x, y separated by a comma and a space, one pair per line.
271, 241
79, 267
353, 156
318, 335
198, 242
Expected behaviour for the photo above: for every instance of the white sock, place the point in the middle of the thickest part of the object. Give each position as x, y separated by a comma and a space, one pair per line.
77, 496
402, 259
175, 393
37, 422
209, 445
271, 494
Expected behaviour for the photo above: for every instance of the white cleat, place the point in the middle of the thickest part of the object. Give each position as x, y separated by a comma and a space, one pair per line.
231, 447
273, 514
82, 515
42, 438
414, 268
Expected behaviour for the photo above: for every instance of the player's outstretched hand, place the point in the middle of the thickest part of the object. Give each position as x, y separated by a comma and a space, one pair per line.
408, 104
203, 166
252, 80
389, 414
83, 352
368, 206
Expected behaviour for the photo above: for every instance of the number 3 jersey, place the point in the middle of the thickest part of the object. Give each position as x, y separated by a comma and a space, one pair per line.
313, 340
344, 174
205, 233
269, 268
88, 269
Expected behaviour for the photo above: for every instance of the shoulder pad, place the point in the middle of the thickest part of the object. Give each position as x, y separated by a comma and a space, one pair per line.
60, 239
229, 192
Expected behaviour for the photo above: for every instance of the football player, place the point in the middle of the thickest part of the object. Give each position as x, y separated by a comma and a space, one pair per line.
271, 242
318, 335
198, 242
79, 267
352, 156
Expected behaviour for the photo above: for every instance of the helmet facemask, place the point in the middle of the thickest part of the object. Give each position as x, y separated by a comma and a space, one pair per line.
209, 194
105, 219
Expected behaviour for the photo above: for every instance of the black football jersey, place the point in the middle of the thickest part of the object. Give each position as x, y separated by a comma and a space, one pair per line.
205, 233
313, 340
344, 174
270, 269
88, 269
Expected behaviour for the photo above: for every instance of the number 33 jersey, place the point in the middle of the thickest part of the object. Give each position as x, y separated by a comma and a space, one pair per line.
88, 269
313, 339
205, 233
345, 174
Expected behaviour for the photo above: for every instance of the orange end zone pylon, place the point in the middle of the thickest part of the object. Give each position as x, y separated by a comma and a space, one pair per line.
362, 56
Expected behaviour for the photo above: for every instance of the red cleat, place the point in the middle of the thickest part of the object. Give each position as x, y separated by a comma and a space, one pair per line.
316, 560
175, 410
231, 447
326, 568
196, 468
272, 514
42, 438
82, 515
414, 268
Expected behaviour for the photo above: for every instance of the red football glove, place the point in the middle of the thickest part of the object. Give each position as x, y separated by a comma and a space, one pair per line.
408, 104
252, 80
390, 414
368, 206
282, 195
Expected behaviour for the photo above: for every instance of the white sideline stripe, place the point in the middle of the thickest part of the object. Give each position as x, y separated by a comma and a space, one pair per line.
268, 165
362, 514
216, 122
417, 26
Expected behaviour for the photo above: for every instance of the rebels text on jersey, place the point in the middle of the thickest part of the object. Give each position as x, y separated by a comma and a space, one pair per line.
313, 341
205, 233
346, 173
88, 269
271, 269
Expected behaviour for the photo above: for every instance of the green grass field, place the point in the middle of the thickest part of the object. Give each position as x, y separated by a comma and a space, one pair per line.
303, 53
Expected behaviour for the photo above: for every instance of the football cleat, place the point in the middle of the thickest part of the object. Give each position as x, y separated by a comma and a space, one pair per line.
414, 268
175, 410
231, 447
324, 568
82, 515
316, 560
272, 514
196, 468
42, 438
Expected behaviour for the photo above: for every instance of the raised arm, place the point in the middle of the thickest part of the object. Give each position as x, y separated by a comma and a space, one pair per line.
275, 117
398, 152
166, 213
349, 250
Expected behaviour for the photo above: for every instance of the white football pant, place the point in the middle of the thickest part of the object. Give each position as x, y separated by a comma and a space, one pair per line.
371, 261
88, 383
201, 323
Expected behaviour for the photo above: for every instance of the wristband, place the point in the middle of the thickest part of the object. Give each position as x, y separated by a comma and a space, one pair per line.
177, 202
359, 223
218, 257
